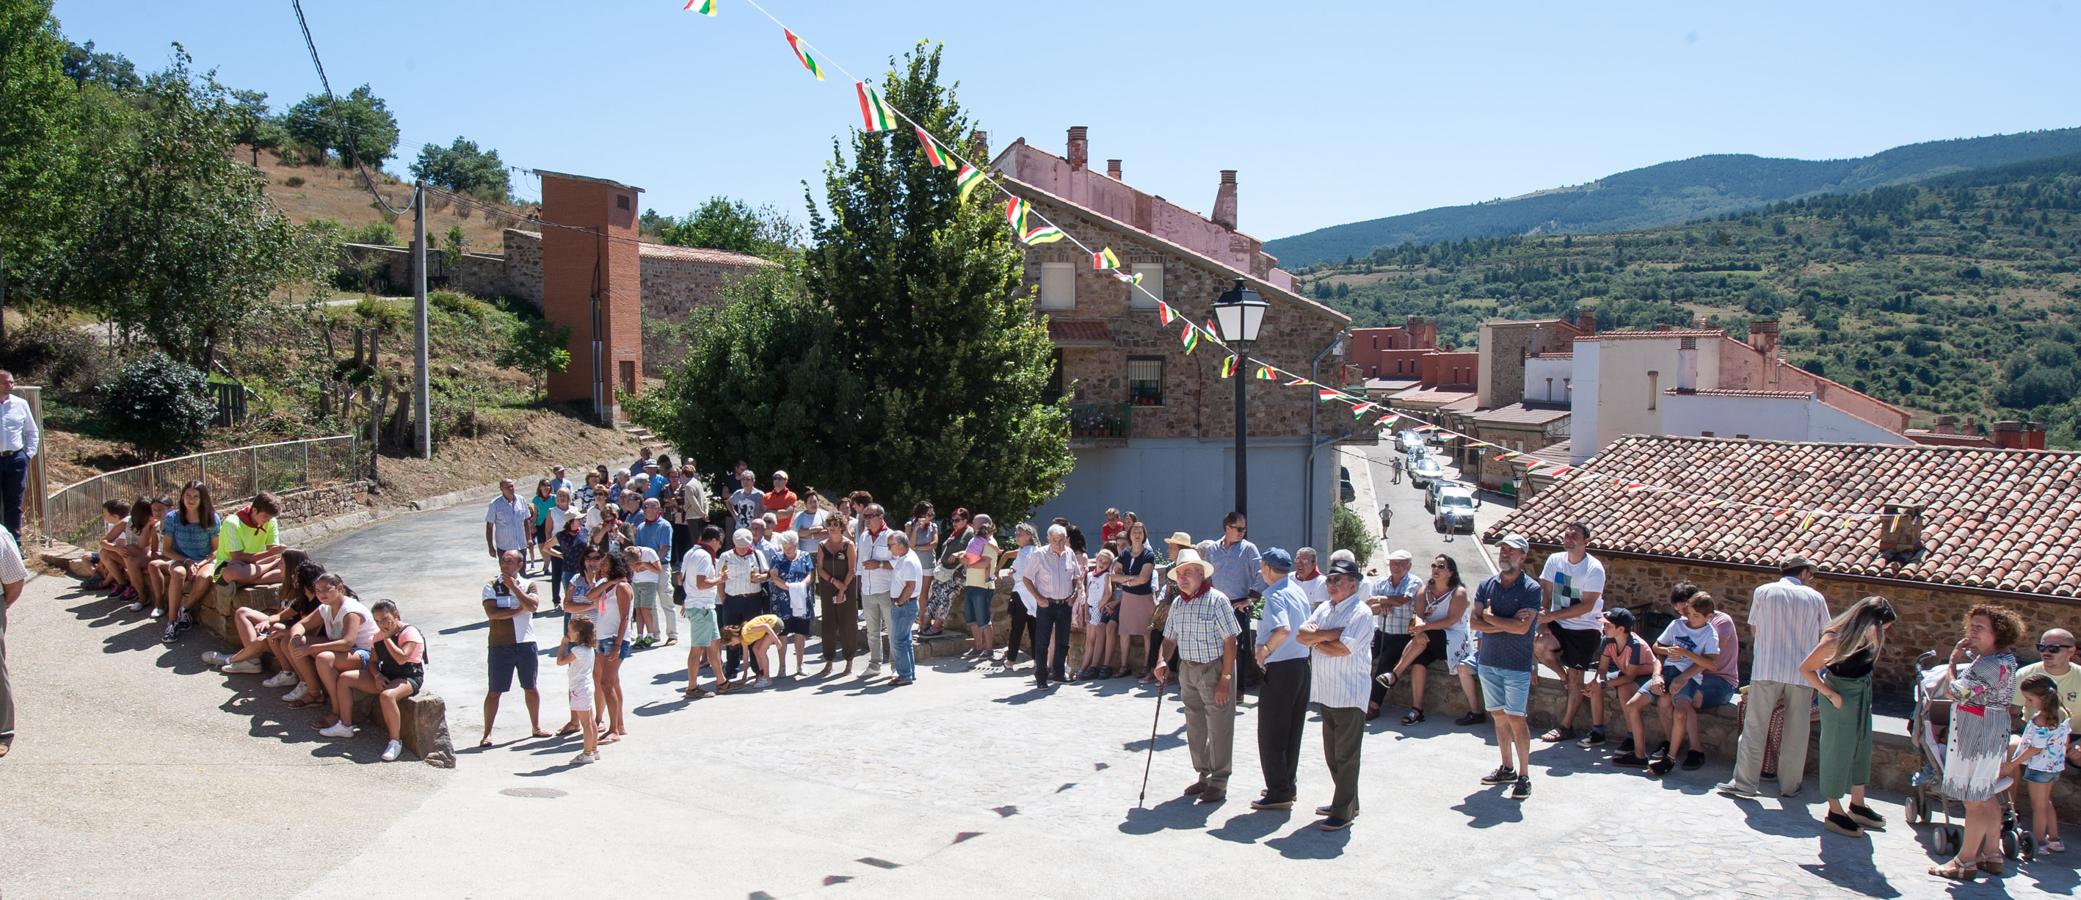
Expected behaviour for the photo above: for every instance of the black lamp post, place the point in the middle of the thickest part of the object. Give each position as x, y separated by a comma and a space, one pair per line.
1238, 314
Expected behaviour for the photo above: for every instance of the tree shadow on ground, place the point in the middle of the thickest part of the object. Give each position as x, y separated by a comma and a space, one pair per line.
1847, 864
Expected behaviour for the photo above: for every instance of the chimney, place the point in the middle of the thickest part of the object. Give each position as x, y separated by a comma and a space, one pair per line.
2009, 435
1586, 320
1687, 365
1113, 169
979, 146
2033, 436
1225, 201
1945, 425
1079, 147
1763, 335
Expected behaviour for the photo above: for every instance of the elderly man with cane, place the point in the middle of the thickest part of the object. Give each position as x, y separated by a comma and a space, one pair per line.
1202, 630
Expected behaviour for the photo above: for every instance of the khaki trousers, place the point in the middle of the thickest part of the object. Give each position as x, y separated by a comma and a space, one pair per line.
1763, 697
1210, 728
1343, 731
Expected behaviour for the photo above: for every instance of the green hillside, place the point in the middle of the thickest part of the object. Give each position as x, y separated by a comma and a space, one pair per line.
1672, 193
1960, 295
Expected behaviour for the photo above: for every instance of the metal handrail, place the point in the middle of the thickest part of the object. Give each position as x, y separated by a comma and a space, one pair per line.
72, 513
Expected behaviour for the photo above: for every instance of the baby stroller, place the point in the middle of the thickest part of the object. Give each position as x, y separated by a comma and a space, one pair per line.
1927, 727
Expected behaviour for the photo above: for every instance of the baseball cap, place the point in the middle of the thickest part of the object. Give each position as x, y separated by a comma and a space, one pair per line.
1619, 616
1278, 559
1516, 541
1346, 568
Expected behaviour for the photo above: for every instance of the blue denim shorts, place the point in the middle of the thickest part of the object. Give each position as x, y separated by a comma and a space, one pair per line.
2039, 776
975, 601
607, 647
1505, 690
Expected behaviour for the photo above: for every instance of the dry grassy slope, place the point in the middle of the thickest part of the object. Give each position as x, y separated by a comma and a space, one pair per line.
330, 192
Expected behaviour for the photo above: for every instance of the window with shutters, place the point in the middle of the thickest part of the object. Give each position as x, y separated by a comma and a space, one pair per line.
1058, 285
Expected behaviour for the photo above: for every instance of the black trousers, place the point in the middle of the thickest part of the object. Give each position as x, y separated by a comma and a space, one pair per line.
1022, 623
1387, 651
1156, 647
682, 541
14, 479
738, 609
1247, 673
1282, 714
1051, 642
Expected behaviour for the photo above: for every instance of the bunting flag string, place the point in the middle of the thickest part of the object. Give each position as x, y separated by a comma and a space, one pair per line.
878, 115
1228, 367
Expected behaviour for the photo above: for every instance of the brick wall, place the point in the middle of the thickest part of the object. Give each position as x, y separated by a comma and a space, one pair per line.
1197, 400
1930, 619
675, 281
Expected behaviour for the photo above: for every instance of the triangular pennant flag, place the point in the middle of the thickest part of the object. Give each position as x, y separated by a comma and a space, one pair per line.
1190, 338
875, 112
1359, 410
1228, 367
1328, 394
1531, 467
1015, 211
1510, 455
1299, 382
808, 62
967, 180
1164, 315
1388, 419
1104, 259
1564, 470
1129, 277
704, 7
1807, 521
932, 154
1264, 373
1045, 234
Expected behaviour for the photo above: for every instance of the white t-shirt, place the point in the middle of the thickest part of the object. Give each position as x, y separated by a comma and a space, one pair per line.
1317, 589
557, 515
804, 521
1570, 582
646, 576
698, 563
905, 570
1020, 564
875, 546
523, 624
581, 674
1703, 640
592, 518
607, 619
337, 619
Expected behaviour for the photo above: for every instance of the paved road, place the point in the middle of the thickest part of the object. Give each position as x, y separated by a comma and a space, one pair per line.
140, 775
1372, 475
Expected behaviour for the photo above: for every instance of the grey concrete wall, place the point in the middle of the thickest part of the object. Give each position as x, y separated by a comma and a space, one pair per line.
1187, 485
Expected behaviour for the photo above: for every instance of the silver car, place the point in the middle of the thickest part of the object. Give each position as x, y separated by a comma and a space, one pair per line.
1425, 471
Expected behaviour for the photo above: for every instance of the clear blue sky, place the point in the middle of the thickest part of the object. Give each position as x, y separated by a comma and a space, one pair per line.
1333, 111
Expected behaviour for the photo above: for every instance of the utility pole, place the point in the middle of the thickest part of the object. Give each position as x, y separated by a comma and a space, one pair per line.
422, 395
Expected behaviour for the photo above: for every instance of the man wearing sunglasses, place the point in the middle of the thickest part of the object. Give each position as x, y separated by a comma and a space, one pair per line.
1239, 576
2056, 661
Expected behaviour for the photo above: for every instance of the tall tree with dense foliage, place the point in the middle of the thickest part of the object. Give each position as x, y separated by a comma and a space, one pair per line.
733, 225
900, 357
463, 168
355, 128
39, 140
188, 247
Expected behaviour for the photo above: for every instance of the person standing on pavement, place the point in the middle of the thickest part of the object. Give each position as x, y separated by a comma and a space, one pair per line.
1238, 577
1309, 577
744, 592
1056, 580
1786, 618
1282, 703
510, 603
704, 637
20, 440
906, 581
834, 584
1387, 517
1339, 635
1393, 605
877, 564
1574, 585
1506, 612
506, 522
656, 534
12, 575
747, 502
1201, 628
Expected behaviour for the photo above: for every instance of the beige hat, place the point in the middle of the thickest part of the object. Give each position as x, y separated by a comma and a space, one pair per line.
1179, 539
1191, 557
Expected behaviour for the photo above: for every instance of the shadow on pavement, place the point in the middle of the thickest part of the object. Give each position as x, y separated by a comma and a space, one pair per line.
1249, 827
1489, 807
1310, 842
1176, 813
1846, 863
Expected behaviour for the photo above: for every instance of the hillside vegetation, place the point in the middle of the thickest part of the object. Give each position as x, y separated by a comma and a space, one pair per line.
1671, 193
311, 192
1957, 295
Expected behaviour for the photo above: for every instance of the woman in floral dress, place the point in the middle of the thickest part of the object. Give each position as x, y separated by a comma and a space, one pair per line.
1979, 738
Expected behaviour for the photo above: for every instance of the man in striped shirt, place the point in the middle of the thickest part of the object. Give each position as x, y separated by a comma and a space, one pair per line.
1340, 634
1201, 631
1785, 622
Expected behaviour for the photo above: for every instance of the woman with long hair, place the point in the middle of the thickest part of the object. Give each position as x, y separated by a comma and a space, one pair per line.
1978, 742
187, 549
1436, 633
1132, 574
1840, 668
613, 603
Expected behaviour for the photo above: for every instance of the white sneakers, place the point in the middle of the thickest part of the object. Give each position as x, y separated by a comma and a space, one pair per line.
391, 751
283, 678
584, 758
213, 658
299, 693
245, 667
338, 730
763, 683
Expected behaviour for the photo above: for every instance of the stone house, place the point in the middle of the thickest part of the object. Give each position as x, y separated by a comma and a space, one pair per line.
1153, 426
1977, 525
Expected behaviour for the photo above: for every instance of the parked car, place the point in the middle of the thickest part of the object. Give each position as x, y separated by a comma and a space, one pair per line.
1345, 492
1425, 470
1454, 510
1409, 440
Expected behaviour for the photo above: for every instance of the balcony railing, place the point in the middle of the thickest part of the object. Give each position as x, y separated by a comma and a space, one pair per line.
1101, 420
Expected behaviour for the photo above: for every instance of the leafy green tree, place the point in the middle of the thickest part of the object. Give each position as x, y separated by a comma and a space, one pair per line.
1348, 531
256, 129
160, 405
733, 225
83, 65
464, 169
40, 148
355, 128
537, 347
188, 247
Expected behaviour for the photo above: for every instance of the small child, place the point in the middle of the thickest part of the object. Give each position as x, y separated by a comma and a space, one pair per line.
2042, 755
1102, 612
1689, 648
577, 655
757, 636
1625, 662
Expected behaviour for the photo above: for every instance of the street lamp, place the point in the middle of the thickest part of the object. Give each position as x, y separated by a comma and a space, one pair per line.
1238, 314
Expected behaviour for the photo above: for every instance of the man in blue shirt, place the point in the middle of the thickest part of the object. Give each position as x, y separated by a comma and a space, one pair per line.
1505, 613
656, 533
1282, 705
1238, 577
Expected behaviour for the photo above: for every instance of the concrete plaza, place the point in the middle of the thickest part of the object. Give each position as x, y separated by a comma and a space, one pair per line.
140, 773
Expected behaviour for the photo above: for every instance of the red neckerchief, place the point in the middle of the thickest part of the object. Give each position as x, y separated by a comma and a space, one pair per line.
1205, 585
246, 516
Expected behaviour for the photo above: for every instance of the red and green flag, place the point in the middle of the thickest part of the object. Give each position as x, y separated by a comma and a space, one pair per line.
932, 155
1228, 367
1164, 314
1130, 278
704, 7
1359, 410
1264, 373
1104, 259
875, 112
967, 180
808, 62
1015, 211
1190, 338
1042, 234
1327, 394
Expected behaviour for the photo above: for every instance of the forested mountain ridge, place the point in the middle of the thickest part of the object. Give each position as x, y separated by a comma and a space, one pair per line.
1671, 193
1960, 294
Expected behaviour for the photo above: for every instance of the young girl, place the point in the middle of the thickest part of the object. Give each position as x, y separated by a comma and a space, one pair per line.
756, 637
2042, 755
576, 655
1101, 618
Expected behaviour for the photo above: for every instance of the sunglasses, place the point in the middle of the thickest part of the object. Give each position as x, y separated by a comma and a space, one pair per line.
2049, 649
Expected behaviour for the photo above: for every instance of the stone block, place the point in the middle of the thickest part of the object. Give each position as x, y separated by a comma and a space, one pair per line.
222, 600
262, 597
216, 623
422, 726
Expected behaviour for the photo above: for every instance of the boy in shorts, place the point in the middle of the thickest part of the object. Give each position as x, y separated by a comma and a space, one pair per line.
1690, 648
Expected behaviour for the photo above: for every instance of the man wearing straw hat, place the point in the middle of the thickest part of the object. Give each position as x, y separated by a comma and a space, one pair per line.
1202, 630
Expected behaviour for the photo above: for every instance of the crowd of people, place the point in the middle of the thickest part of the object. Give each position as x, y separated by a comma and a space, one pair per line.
755, 573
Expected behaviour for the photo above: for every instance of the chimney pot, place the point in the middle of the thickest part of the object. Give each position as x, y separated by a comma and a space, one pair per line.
1079, 147
1225, 201
1113, 169
1586, 320
1946, 425
980, 140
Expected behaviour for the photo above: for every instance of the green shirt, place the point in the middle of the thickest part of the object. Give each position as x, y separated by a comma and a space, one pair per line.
234, 537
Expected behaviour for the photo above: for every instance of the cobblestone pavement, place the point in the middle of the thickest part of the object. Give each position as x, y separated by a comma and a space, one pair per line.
140, 775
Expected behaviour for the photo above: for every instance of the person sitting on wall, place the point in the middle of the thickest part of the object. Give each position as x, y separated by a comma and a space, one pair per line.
249, 545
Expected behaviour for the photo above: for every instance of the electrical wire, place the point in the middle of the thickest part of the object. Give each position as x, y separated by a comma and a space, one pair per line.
346, 129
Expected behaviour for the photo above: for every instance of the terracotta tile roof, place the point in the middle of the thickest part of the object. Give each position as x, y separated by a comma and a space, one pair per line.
1079, 333
1670, 333
2007, 520
1520, 414
1732, 392
1947, 439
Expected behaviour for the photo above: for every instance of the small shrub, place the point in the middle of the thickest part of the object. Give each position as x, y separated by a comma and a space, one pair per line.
160, 405
294, 181
1348, 531
50, 351
459, 304
373, 233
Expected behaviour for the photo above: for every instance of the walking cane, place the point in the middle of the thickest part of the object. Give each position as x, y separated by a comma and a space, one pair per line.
1152, 747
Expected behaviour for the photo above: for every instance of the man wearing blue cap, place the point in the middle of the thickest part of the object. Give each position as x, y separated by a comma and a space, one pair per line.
1282, 702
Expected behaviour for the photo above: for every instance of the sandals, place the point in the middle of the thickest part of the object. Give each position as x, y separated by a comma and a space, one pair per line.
1994, 865
567, 730
1558, 735
1954, 871
1413, 716
1385, 679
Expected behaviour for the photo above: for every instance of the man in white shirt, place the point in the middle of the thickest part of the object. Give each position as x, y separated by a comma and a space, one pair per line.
907, 581
701, 578
20, 439
1340, 669
1785, 622
877, 562
1574, 633
510, 602
506, 522
1056, 582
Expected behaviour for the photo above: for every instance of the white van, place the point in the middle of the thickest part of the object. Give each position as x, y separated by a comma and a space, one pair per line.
1454, 509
